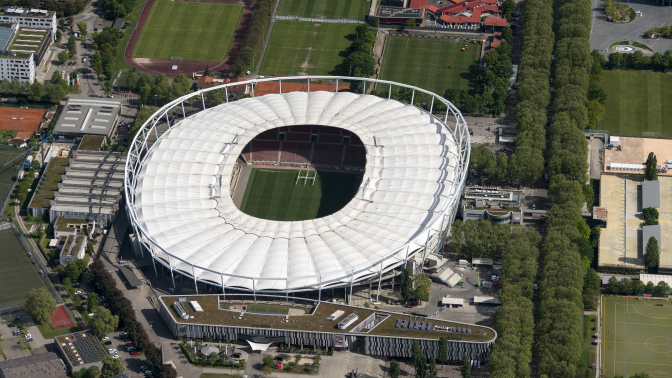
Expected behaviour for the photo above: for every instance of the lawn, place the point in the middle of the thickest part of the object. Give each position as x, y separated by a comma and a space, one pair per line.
48, 332
272, 194
191, 30
307, 48
434, 64
8, 172
638, 104
352, 9
636, 337
18, 274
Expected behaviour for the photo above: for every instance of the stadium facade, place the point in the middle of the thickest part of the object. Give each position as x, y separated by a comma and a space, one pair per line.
178, 185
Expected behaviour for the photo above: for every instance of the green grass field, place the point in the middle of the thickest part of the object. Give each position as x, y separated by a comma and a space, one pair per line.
353, 9
191, 30
430, 63
8, 172
637, 337
272, 194
638, 104
18, 274
303, 48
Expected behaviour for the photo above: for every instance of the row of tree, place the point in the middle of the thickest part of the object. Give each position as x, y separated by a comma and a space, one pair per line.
122, 307
106, 43
639, 61
559, 334
533, 89
254, 40
496, 167
596, 94
628, 287
149, 87
359, 62
514, 320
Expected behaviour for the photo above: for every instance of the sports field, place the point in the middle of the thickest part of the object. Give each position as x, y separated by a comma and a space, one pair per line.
435, 64
17, 274
306, 48
8, 172
274, 194
353, 9
190, 30
636, 337
638, 104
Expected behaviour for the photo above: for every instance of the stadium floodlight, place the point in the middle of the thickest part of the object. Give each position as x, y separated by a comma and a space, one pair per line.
178, 174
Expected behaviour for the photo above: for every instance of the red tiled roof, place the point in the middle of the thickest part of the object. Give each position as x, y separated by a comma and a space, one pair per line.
477, 8
496, 40
204, 82
462, 6
417, 3
492, 21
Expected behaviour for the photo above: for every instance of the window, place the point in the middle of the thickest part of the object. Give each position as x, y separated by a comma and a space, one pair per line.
282, 136
346, 139
313, 138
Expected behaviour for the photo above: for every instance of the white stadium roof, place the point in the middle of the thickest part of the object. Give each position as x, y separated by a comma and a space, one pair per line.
183, 208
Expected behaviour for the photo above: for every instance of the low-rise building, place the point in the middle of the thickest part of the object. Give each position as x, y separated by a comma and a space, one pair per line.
499, 206
80, 350
74, 248
87, 116
44, 365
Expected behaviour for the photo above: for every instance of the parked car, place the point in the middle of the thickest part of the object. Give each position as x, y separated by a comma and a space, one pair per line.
494, 278
115, 356
134, 352
126, 341
113, 351
143, 368
105, 338
78, 292
132, 343
12, 324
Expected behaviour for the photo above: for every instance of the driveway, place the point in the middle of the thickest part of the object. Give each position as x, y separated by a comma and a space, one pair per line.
605, 33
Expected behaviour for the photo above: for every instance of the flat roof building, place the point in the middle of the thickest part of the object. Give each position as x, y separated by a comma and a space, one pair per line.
651, 194
87, 116
499, 206
80, 350
44, 365
628, 155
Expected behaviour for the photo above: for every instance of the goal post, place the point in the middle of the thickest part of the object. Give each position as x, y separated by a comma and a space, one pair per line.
176, 58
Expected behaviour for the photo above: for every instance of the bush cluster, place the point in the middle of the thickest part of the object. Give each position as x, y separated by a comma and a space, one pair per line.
254, 39
639, 61
533, 89
121, 306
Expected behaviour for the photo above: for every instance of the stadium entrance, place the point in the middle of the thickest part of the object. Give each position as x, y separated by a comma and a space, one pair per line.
299, 173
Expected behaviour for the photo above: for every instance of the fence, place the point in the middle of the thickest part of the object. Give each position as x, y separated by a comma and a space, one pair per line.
321, 20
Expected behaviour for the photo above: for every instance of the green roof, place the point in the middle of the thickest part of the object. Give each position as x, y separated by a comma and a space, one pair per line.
91, 143
28, 40
49, 185
317, 320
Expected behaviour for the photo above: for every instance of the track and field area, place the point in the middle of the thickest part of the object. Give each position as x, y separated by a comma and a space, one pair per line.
7, 173
637, 337
435, 64
638, 104
352, 9
306, 48
17, 274
275, 194
200, 31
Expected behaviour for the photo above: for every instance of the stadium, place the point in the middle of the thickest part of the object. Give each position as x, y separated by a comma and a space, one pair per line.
406, 170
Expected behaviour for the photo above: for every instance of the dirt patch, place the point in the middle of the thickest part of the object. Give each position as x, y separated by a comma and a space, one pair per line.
305, 66
317, 25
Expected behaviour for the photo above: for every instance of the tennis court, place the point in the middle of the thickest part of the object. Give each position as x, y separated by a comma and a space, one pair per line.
21, 119
636, 337
61, 319
7, 172
17, 274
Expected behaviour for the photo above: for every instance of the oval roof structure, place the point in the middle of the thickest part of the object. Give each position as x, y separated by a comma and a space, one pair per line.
410, 186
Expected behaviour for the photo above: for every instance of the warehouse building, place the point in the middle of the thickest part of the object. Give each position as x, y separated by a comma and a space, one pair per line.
87, 116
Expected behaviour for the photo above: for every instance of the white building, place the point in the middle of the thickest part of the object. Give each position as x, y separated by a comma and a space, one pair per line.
17, 66
30, 18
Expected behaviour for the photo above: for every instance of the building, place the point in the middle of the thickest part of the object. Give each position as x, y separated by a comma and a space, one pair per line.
192, 166
87, 116
17, 142
71, 235
628, 155
44, 365
80, 350
624, 237
73, 248
119, 23
466, 14
31, 18
499, 206
396, 15
21, 51
312, 323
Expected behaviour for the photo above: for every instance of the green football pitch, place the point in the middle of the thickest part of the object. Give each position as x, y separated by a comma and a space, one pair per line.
306, 48
434, 64
636, 337
190, 30
18, 274
353, 9
275, 194
638, 104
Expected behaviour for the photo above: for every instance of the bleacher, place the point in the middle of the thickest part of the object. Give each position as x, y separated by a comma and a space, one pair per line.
318, 146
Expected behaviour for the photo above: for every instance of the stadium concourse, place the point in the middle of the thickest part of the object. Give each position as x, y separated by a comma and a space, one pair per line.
413, 165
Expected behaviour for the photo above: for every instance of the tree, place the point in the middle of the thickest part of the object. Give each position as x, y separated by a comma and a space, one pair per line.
375, 23
625, 286
652, 253
71, 20
443, 349
421, 283
360, 64
662, 289
483, 160
421, 368
267, 371
410, 23
83, 29
207, 71
650, 287
54, 93
395, 369
36, 91
650, 215
63, 57
59, 36
72, 46
268, 360
103, 322
651, 170
40, 304
612, 286
432, 368
638, 287
406, 285
112, 366
416, 353
466, 366
75, 269
93, 301
507, 34
132, 81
